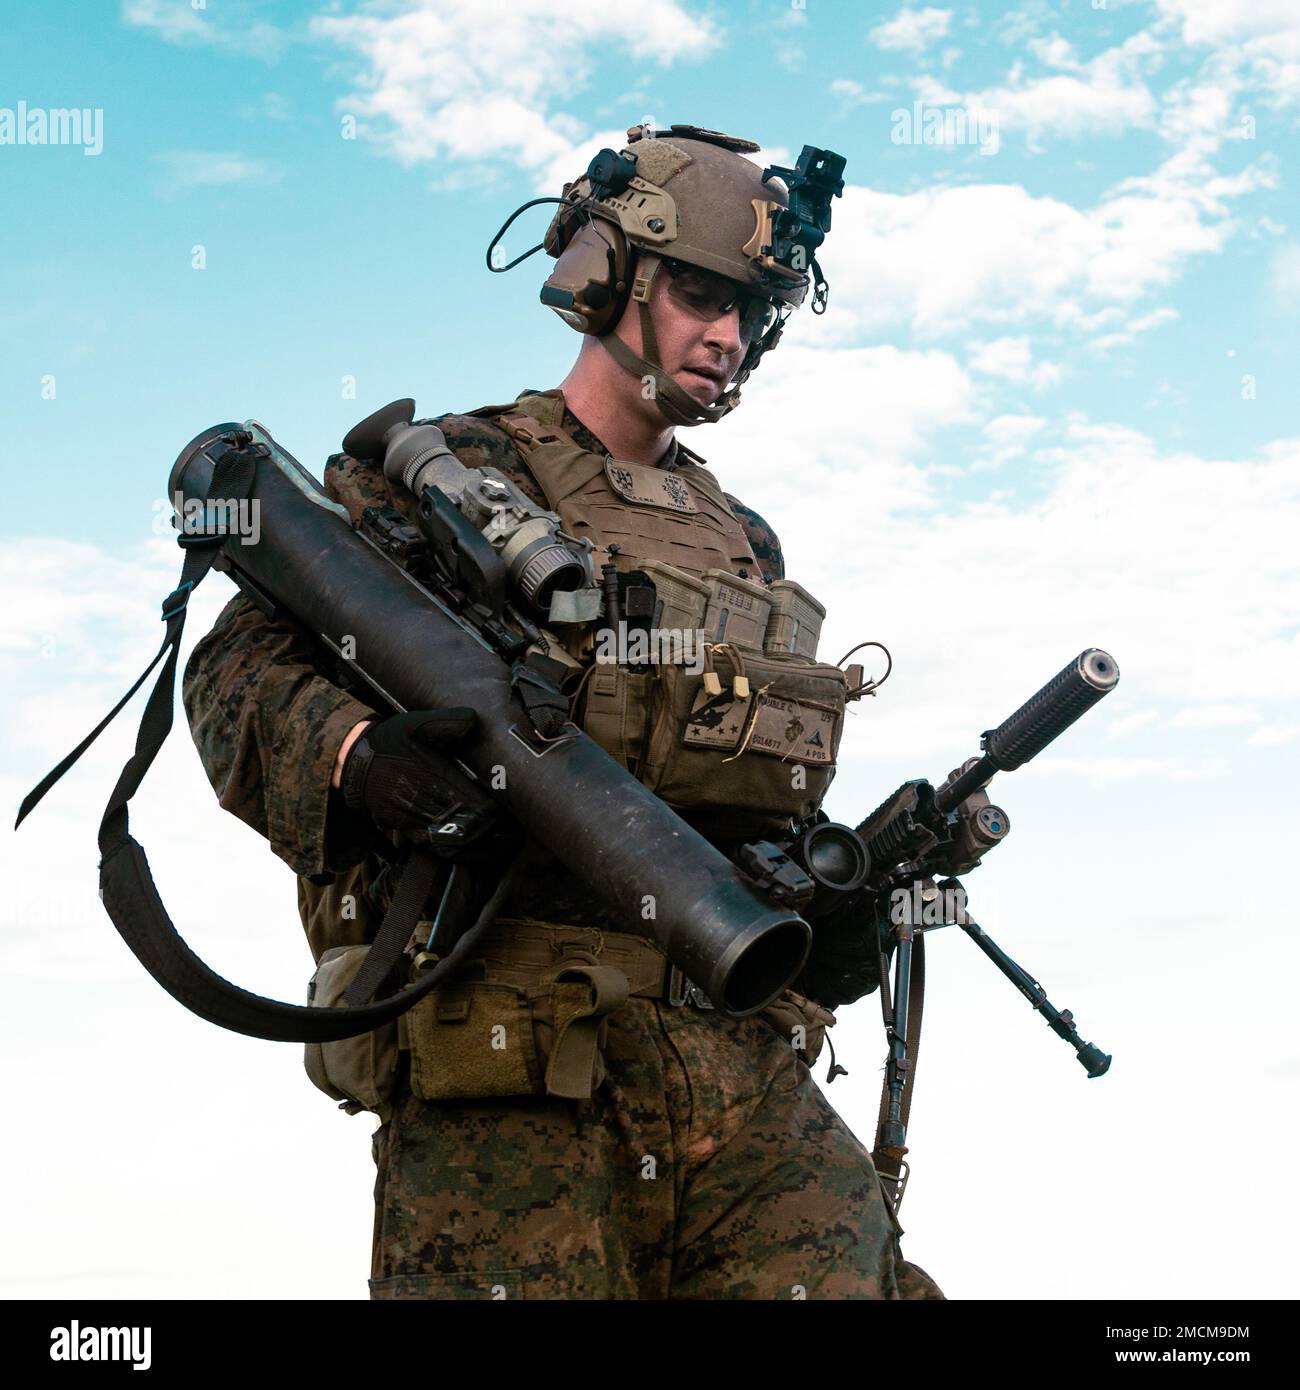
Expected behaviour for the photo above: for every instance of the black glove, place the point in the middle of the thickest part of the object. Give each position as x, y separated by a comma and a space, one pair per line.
397, 774
844, 962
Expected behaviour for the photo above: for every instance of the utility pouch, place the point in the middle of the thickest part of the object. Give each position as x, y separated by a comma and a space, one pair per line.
360, 1072
515, 1033
755, 734
616, 711
802, 1022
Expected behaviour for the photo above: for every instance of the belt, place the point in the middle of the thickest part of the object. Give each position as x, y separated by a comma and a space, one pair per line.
513, 950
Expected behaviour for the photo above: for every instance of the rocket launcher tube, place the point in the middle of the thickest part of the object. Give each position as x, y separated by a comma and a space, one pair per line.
635, 854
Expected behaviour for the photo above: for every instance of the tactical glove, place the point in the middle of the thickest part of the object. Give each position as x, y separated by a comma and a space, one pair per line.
844, 961
398, 774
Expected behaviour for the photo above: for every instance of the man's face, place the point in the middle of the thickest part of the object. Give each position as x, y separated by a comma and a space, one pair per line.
704, 324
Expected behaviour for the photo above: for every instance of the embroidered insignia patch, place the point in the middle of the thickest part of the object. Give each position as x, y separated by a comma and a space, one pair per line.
797, 730
652, 487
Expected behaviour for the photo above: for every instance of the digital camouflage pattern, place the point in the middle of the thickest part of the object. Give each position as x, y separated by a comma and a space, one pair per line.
709, 1166
268, 708
755, 1188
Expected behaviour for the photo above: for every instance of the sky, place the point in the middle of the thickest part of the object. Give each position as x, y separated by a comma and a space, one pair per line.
1047, 409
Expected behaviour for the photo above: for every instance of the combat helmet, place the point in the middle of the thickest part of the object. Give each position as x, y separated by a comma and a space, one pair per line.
689, 196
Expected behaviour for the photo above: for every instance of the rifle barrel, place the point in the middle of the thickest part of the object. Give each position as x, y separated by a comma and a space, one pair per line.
1042, 718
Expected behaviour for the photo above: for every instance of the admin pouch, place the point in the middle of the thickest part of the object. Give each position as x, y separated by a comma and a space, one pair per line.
753, 737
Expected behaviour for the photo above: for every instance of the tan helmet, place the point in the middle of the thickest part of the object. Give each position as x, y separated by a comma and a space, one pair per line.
690, 195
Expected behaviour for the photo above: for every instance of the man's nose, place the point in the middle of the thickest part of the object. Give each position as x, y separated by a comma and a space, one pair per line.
723, 333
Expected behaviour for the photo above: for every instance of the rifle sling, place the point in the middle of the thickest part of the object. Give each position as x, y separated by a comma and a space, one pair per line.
126, 884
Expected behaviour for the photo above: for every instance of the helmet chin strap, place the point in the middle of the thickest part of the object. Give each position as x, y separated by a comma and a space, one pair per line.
675, 403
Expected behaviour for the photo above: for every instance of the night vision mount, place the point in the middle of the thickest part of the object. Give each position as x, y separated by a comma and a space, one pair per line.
798, 231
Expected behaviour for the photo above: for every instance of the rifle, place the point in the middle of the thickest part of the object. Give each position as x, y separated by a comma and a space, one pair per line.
920, 833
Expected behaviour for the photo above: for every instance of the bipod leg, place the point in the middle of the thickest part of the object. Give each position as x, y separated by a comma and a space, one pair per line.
901, 1022
1094, 1061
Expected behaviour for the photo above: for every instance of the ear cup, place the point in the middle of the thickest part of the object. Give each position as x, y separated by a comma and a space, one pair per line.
590, 284
566, 221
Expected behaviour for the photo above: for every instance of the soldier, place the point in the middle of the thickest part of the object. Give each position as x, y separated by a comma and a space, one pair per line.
568, 1118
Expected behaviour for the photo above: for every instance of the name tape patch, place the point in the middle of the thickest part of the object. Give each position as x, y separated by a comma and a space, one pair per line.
797, 730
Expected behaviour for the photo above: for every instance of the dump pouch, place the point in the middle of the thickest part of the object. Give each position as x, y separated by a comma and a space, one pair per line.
360, 1072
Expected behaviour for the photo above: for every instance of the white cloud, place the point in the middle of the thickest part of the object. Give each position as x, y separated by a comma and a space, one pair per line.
852, 93
1008, 436
1130, 723
175, 23
1223, 21
1124, 545
1151, 224
1285, 273
1012, 359
441, 79
1198, 114
186, 169
275, 106
1129, 333
236, 28
1215, 716
1055, 52
1244, 51
1013, 429
1259, 40
944, 258
899, 399
1104, 771
1271, 735
1107, 95
911, 30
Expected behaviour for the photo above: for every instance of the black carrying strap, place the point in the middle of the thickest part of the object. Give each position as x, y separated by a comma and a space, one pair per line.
126, 884
395, 930
536, 680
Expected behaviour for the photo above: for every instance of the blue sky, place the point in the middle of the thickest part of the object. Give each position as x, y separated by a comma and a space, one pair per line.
1052, 406
328, 258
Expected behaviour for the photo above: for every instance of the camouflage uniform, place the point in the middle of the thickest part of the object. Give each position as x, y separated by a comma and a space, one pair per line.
708, 1164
